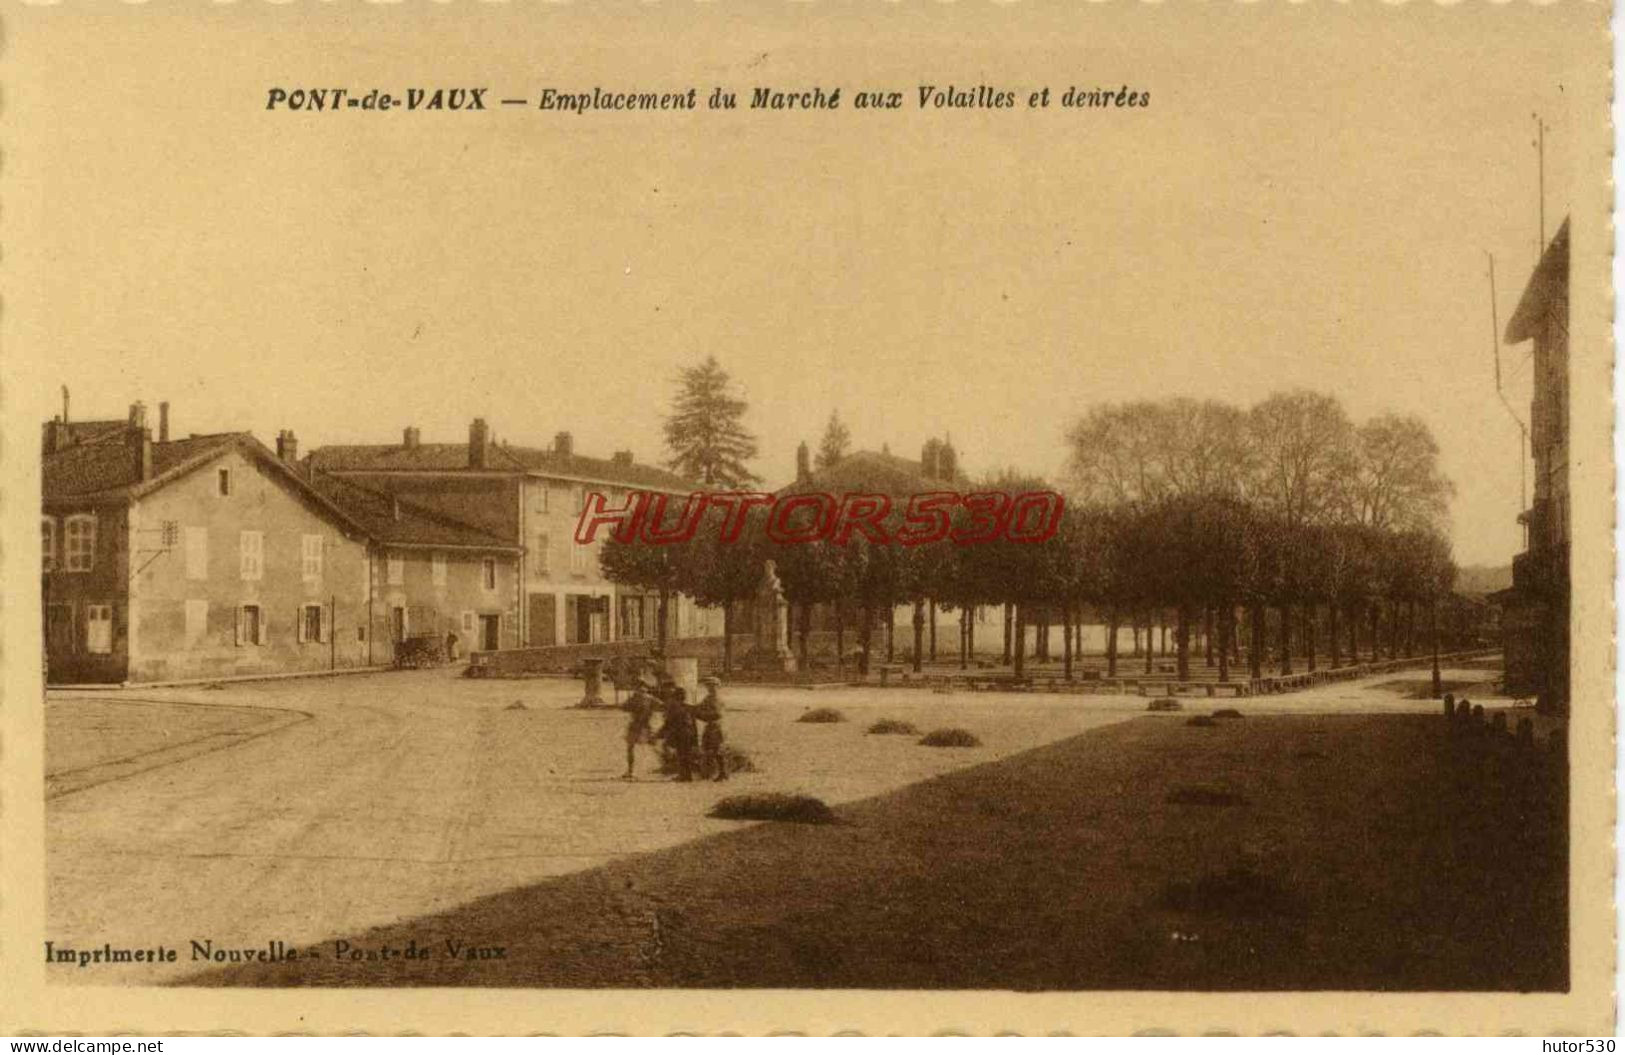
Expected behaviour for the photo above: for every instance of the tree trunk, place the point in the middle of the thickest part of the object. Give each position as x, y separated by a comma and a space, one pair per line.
1376, 639
1150, 640
933, 629
1005, 660
1134, 628
1311, 631
727, 638
866, 635
840, 639
970, 631
1331, 635
1066, 642
1255, 646
919, 634
1285, 639
661, 632
1019, 633
1182, 641
1111, 642
891, 634
1207, 634
1227, 631
964, 637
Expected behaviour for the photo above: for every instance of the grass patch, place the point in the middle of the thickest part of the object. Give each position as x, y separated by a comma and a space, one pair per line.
950, 738
774, 806
1227, 712
1165, 703
1234, 892
1199, 795
1202, 720
822, 716
894, 726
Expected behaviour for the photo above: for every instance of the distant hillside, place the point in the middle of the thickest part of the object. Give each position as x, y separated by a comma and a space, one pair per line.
1483, 578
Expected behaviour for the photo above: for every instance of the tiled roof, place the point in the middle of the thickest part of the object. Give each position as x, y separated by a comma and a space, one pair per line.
390, 519
81, 431
873, 471
1549, 283
453, 457
106, 469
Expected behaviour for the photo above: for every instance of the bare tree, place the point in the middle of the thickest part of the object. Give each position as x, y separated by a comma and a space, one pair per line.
1306, 453
1397, 484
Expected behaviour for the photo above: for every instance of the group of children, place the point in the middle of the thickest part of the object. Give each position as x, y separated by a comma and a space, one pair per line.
697, 752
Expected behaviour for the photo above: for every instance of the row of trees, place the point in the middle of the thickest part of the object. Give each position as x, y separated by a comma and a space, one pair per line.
1211, 515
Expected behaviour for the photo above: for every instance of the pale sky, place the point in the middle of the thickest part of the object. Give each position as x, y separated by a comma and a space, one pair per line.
1306, 202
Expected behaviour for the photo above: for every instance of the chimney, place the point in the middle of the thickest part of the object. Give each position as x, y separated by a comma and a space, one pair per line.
803, 463
564, 443
163, 422
623, 458
140, 440
138, 415
56, 431
479, 443
949, 460
410, 437
287, 446
64, 404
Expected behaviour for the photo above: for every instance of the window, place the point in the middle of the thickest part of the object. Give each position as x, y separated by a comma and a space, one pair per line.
99, 629
197, 622
578, 498
250, 625
468, 623
223, 481
397, 571
47, 543
251, 555
578, 559
312, 623
488, 569
540, 491
79, 542
538, 559
310, 558
197, 553
437, 568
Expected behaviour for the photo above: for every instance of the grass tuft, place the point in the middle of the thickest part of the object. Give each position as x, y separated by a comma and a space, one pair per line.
773, 806
1165, 703
950, 738
822, 715
1198, 795
894, 726
1227, 712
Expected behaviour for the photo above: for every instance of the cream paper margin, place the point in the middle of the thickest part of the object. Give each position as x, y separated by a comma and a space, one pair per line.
28, 1005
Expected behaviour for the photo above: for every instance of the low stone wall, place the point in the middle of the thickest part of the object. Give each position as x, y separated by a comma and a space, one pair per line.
567, 659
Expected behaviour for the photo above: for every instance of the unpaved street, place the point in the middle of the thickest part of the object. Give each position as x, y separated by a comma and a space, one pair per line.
404, 794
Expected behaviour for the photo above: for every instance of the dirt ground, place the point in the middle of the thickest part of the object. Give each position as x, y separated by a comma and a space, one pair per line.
1362, 853
396, 797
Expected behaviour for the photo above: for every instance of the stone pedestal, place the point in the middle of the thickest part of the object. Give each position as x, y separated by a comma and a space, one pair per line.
770, 649
593, 674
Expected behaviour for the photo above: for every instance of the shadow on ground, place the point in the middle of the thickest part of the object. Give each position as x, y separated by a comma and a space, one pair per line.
1358, 852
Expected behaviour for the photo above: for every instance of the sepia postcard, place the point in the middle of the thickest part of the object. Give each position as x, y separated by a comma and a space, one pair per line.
723, 517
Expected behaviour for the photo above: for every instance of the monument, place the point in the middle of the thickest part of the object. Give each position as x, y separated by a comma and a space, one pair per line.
769, 649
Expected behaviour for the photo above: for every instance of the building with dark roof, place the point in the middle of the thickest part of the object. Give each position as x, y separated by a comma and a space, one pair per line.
1535, 611
528, 497
213, 556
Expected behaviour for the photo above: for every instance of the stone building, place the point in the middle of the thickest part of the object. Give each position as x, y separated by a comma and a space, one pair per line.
191, 558
530, 498
1535, 617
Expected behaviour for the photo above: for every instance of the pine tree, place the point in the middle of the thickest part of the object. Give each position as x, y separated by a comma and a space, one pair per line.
833, 447
707, 441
